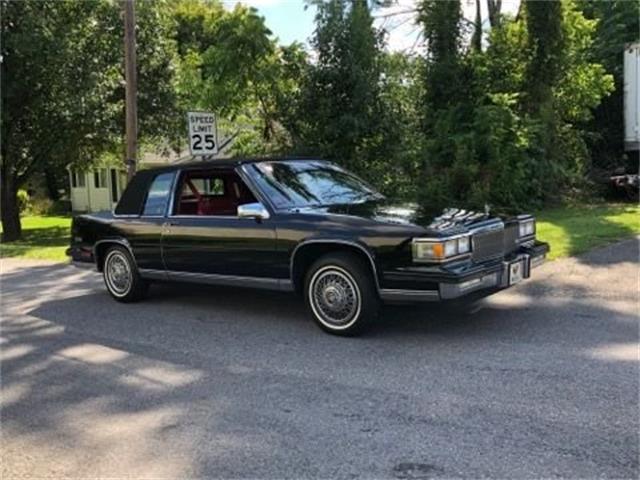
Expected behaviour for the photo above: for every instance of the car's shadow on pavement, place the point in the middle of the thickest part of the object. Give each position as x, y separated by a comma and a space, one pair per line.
529, 312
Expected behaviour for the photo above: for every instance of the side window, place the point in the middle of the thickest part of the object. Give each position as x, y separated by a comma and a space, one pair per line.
158, 195
215, 186
216, 192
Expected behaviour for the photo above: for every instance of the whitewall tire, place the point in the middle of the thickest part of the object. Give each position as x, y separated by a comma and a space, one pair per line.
121, 276
341, 295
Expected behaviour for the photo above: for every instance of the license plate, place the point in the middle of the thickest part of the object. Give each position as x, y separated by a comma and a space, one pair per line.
516, 272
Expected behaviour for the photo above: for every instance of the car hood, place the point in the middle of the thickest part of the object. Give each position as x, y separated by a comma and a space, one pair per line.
408, 214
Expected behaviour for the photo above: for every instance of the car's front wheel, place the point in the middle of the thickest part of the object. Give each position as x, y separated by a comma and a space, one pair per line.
121, 276
341, 294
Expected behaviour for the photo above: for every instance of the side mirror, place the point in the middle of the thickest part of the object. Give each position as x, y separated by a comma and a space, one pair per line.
253, 210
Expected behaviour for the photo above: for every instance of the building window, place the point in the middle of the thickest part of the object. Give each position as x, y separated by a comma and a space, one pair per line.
77, 179
100, 178
114, 185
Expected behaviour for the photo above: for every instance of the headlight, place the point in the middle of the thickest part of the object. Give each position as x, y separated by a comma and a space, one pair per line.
526, 228
464, 244
432, 250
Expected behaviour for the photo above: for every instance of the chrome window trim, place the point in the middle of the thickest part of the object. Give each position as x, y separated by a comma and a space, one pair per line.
340, 242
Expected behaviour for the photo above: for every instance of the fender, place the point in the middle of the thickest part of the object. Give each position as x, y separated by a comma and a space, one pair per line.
339, 241
118, 240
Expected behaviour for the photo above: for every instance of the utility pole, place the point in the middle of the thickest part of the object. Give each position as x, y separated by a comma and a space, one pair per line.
131, 80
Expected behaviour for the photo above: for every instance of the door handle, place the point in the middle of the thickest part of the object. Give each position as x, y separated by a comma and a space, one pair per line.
171, 224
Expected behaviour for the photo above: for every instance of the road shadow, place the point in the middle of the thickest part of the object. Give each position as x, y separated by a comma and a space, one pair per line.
201, 381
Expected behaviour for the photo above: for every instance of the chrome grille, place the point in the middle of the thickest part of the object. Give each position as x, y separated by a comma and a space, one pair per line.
488, 244
510, 238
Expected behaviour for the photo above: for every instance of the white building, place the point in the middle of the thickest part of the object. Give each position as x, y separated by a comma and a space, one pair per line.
99, 187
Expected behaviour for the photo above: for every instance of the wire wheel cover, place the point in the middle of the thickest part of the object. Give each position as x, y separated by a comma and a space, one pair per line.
118, 273
335, 296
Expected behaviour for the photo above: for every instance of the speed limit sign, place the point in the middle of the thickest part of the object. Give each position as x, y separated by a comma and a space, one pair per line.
203, 133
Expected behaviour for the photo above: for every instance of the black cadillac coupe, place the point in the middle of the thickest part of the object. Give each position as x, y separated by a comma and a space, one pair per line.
299, 225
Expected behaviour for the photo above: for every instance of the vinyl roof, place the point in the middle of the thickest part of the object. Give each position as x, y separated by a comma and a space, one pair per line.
191, 163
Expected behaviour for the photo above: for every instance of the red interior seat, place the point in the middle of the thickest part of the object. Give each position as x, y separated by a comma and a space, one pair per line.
217, 206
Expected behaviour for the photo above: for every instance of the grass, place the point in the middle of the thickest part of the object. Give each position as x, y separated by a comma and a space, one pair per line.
574, 230
569, 230
43, 238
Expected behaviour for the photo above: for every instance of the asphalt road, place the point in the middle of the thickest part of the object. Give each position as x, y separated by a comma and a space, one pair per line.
538, 381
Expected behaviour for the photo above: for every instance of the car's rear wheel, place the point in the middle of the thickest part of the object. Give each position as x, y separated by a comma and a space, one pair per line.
341, 295
121, 276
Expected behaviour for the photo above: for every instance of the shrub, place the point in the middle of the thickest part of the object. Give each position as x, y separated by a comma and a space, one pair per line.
24, 201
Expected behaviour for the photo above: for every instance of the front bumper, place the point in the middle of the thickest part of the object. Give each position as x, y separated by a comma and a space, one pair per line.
446, 284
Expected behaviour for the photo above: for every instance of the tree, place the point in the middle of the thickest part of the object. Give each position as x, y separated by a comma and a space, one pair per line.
618, 23
340, 107
62, 88
476, 39
494, 7
545, 42
229, 63
52, 97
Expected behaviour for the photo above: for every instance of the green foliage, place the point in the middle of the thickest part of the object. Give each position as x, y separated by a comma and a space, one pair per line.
545, 44
512, 125
62, 86
514, 134
44, 238
340, 97
576, 229
24, 201
618, 23
229, 63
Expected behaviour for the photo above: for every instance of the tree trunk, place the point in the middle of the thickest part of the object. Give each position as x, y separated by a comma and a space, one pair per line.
11, 227
494, 7
476, 39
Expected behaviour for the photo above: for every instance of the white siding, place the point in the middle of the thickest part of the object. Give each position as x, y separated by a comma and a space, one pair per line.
91, 191
632, 96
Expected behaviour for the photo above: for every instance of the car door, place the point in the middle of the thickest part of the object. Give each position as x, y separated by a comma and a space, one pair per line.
143, 231
208, 238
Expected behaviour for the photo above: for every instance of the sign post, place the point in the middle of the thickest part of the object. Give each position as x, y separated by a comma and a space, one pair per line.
203, 133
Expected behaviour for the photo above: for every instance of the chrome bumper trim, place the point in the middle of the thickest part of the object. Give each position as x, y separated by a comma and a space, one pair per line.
455, 290
394, 295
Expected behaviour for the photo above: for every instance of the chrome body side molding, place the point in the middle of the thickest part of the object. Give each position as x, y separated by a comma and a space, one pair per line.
279, 284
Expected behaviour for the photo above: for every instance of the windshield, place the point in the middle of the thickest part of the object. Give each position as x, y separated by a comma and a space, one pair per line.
295, 184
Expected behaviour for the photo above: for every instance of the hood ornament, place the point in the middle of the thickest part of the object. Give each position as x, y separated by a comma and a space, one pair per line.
487, 209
